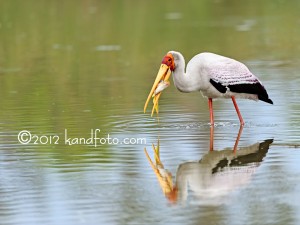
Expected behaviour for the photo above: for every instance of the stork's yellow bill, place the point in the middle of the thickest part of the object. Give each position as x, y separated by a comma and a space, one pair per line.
161, 82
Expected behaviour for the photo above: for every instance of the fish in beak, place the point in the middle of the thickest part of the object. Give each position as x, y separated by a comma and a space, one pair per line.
161, 86
161, 81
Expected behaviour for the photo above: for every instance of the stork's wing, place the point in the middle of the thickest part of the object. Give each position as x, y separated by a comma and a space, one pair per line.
230, 72
230, 75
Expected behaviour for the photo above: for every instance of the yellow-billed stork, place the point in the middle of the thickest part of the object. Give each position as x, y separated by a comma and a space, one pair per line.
214, 75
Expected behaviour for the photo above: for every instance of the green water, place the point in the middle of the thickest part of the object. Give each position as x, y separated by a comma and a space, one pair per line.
78, 66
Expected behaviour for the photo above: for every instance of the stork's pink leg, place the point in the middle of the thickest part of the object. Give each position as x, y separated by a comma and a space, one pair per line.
237, 110
211, 112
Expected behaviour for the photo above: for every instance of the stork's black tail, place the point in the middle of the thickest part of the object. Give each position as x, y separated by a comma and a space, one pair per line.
265, 99
255, 88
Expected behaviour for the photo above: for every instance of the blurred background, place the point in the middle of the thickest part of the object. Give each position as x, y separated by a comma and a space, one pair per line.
81, 65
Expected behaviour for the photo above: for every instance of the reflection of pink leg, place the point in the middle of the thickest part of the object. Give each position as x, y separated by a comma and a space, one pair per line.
211, 112
238, 139
237, 110
211, 140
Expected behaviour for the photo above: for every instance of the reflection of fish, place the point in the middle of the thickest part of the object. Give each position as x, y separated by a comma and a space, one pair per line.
161, 86
164, 177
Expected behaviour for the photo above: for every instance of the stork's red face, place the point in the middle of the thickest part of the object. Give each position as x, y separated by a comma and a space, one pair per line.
163, 74
169, 61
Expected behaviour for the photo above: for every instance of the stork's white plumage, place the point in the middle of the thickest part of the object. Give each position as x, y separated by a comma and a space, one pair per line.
215, 76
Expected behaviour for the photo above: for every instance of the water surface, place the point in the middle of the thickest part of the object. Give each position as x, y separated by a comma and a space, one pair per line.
89, 65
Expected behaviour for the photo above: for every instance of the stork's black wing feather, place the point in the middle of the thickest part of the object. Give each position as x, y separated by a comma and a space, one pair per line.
251, 88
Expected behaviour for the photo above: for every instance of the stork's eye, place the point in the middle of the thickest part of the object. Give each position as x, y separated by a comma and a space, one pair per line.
169, 60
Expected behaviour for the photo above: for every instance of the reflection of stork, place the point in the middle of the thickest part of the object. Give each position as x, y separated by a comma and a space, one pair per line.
214, 176
220, 172
214, 75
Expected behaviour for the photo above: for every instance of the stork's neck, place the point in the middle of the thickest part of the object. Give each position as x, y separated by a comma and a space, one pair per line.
183, 80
